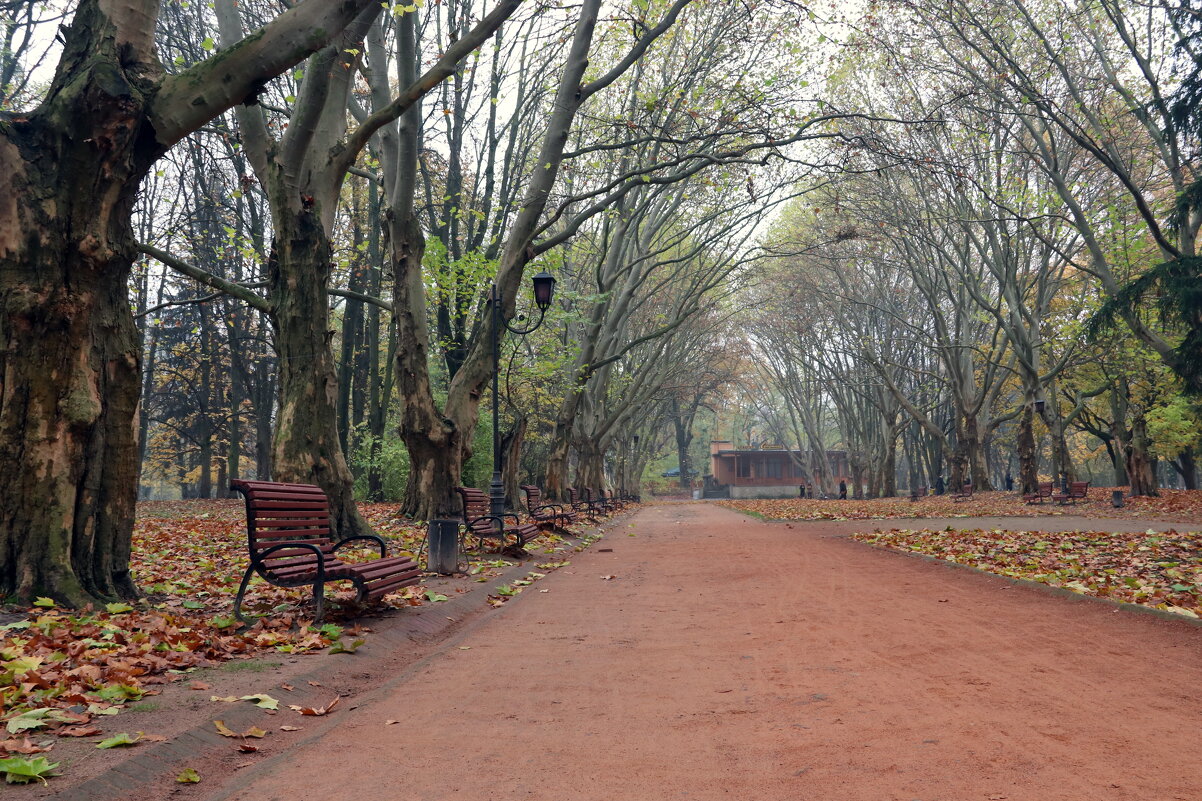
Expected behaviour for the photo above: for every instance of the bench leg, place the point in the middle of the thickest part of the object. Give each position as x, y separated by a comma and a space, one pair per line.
241, 592
319, 597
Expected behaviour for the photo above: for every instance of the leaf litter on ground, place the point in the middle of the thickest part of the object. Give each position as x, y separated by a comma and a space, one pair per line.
1173, 506
1162, 570
63, 671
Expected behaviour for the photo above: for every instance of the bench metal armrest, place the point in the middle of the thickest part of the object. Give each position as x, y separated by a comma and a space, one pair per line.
256, 560
500, 523
376, 538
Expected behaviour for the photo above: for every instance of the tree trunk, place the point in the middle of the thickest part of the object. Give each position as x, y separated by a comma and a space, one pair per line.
591, 470
1187, 467
511, 462
68, 436
975, 454
1140, 469
1028, 465
70, 352
306, 448
555, 479
438, 445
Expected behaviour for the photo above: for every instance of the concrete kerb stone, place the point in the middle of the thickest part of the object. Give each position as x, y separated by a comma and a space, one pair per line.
428, 624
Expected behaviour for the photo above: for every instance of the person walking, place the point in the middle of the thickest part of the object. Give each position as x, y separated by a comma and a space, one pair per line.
842, 490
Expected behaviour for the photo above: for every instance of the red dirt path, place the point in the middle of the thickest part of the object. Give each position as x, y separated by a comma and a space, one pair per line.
735, 659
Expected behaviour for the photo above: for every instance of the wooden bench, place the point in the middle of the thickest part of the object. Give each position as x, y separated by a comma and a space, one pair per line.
1077, 490
964, 493
918, 492
1043, 492
291, 545
553, 515
582, 503
479, 522
611, 500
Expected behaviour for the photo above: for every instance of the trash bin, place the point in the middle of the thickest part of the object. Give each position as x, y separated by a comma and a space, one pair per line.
442, 547
1116, 498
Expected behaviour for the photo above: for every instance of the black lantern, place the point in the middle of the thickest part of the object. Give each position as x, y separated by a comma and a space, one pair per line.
544, 293
544, 290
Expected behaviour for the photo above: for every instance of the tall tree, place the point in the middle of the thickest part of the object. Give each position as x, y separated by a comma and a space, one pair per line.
69, 350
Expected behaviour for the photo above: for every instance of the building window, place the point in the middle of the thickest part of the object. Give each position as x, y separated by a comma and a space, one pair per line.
743, 470
773, 469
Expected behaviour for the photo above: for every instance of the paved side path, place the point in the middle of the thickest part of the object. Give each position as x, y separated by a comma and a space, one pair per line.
734, 659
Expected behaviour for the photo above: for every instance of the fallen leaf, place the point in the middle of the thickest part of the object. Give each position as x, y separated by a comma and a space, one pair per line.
316, 711
200, 685
117, 740
20, 770
223, 730
290, 728
22, 746
247, 748
188, 776
390, 723
262, 700
228, 699
78, 731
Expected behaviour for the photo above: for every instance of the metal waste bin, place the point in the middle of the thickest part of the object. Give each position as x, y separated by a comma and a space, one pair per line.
442, 547
1116, 498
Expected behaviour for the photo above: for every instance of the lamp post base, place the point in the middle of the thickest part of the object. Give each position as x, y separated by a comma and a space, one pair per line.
496, 496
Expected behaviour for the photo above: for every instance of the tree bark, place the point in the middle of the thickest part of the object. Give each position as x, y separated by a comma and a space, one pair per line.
306, 447
1028, 463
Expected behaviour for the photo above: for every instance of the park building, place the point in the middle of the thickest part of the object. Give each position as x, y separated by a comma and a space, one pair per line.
769, 471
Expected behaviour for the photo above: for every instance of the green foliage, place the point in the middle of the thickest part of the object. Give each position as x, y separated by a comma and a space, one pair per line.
392, 461
1180, 303
477, 471
21, 770
1174, 427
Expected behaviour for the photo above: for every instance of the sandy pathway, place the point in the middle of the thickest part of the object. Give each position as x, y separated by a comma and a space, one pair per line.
734, 659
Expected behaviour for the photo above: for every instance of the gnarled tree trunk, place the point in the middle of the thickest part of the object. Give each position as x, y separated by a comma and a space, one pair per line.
306, 447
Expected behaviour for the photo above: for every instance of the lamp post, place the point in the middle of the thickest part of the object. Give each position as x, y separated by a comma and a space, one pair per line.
544, 291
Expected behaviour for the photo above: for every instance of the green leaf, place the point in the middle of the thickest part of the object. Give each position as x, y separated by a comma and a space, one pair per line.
208, 44
330, 631
124, 738
341, 648
193, 605
188, 776
120, 692
31, 719
263, 701
117, 609
434, 596
44, 602
21, 770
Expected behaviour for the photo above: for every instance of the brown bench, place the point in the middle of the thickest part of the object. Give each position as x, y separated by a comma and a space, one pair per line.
581, 505
611, 500
291, 545
964, 493
593, 501
918, 492
552, 515
479, 522
1077, 490
1043, 492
